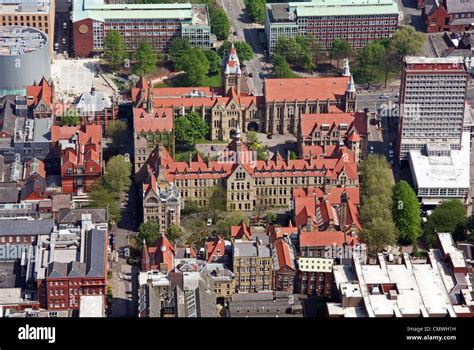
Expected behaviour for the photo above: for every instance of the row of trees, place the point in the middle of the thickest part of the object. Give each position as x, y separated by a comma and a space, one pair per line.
375, 211
391, 213
116, 55
256, 10
115, 182
378, 60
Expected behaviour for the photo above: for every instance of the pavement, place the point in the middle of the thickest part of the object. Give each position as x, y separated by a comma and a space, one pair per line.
247, 31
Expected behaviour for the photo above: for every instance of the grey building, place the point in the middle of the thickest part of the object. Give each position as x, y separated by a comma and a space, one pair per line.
24, 58
271, 304
433, 102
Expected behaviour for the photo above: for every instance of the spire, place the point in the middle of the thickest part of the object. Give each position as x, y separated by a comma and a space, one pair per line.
145, 261
149, 104
351, 85
345, 68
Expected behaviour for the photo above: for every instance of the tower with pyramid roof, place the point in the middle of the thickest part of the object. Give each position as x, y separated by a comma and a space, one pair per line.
231, 77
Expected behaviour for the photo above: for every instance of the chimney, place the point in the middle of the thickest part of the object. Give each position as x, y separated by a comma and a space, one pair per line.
190, 159
287, 156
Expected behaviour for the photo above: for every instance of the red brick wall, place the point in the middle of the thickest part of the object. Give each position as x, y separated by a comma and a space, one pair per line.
83, 42
436, 22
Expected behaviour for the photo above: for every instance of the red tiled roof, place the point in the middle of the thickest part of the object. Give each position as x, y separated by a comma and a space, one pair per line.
215, 249
162, 252
41, 91
325, 238
241, 231
283, 255
301, 89
161, 120
86, 132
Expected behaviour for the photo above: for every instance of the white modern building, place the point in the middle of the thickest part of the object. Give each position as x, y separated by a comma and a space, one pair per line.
441, 173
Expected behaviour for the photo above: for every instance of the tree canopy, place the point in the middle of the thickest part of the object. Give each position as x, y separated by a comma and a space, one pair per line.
100, 197
244, 50
174, 233
296, 51
70, 118
449, 216
117, 130
178, 47
406, 212
220, 23
194, 62
117, 175
376, 208
146, 59
341, 49
370, 60
148, 231
281, 68
115, 51
256, 10
190, 128
215, 62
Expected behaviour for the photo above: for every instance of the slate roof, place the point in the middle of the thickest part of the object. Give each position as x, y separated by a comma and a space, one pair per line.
26, 227
95, 253
7, 114
73, 216
8, 192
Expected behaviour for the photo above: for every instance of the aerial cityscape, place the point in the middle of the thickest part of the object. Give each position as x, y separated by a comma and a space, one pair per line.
236, 159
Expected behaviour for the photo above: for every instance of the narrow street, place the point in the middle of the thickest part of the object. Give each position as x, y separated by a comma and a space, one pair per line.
246, 31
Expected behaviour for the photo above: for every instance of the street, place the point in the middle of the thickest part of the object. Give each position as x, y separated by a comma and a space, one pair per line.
241, 23
62, 28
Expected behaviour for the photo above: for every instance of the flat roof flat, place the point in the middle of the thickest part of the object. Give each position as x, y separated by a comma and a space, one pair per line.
442, 171
100, 11
434, 60
321, 8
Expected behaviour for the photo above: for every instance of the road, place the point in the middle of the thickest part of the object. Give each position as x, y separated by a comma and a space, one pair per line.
246, 31
62, 30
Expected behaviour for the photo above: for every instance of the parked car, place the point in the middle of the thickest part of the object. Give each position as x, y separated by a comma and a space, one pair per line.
384, 96
269, 136
209, 222
213, 148
235, 33
250, 75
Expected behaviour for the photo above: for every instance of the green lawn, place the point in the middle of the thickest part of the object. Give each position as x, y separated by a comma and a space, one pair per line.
211, 81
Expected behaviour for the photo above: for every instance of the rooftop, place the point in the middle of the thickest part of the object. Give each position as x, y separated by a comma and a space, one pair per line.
100, 11
344, 7
26, 227
16, 40
442, 171
24, 6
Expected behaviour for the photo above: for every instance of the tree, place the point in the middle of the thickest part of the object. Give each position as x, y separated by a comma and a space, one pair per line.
369, 62
244, 50
178, 47
271, 217
148, 231
218, 199
100, 197
296, 51
117, 130
70, 118
146, 59
114, 49
214, 60
117, 175
340, 49
315, 48
220, 24
194, 62
190, 128
406, 41
375, 212
406, 212
256, 10
252, 138
230, 219
174, 233
447, 217
377, 234
281, 67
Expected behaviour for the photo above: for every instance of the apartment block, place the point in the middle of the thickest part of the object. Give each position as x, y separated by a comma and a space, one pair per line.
156, 24
432, 100
252, 265
359, 21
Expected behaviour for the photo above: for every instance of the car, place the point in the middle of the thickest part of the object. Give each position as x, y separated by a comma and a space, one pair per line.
390, 144
250, 75
366, 109
384, 96
243, 66
269, 136
213, 148
391, 161
64, 25
261, 75
209, 222
64, 40
235, 33
390, 155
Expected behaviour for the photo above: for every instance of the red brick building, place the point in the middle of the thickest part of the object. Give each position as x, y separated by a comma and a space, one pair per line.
448, 15
284, 261
80, 153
